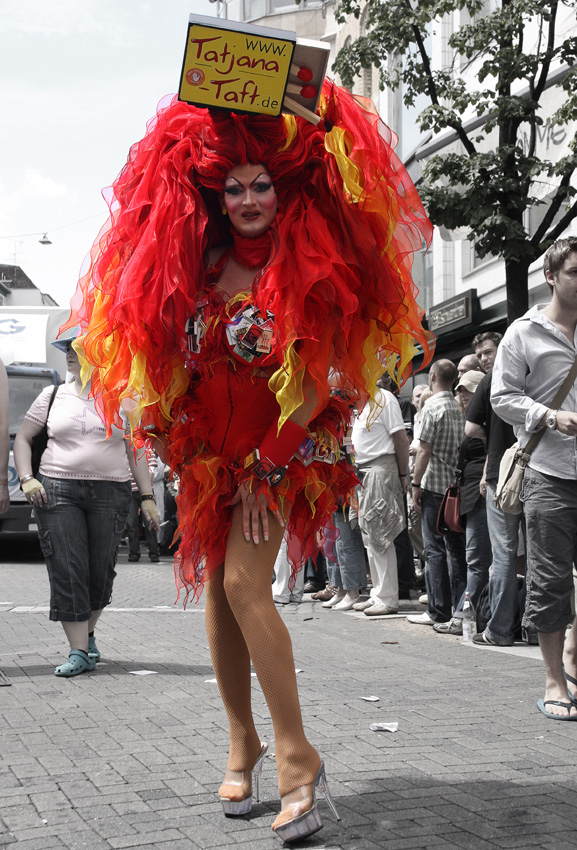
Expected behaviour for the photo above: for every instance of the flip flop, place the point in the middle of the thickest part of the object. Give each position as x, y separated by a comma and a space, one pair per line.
573, 681
567, 705
78, 662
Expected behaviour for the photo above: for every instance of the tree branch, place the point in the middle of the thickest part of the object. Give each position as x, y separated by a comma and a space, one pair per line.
543, 76
554, 208
433, 94
563, 223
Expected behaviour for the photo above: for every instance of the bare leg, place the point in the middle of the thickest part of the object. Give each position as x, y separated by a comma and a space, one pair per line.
247, 587
570, 656
555, 687
77, 634
94, 617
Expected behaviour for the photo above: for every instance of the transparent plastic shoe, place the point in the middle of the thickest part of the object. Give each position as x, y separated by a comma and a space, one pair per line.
301, 816
236, 794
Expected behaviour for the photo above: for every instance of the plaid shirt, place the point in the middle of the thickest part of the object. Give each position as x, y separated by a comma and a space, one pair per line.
442, 424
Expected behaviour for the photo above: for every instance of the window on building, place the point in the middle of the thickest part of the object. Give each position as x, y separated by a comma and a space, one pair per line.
254, 9
366, 87
261, 8
404, 117
423, 277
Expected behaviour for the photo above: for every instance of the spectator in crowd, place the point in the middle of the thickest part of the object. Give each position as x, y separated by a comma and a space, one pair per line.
381, 449
415, 522
435, 463
4, 441
477, 544
468, 363
485, 345
282, 591
482, 422
418, 391
81, 498
136, 521
535, 357
403, 548
348, 575
316, 578
167, 544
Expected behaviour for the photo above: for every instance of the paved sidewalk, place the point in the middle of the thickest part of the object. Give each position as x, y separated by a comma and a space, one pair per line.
110, 760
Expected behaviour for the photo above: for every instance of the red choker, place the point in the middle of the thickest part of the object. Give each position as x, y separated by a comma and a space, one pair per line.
253, 253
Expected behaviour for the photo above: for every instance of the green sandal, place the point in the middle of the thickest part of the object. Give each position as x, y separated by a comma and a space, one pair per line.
78, 662
93, 652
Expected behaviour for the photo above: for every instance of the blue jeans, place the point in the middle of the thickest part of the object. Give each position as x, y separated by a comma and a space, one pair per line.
477, 552
503, 586
446, 566
79, 530
350, 571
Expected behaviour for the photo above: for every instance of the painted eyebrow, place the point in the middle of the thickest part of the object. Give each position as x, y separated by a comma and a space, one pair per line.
262, 174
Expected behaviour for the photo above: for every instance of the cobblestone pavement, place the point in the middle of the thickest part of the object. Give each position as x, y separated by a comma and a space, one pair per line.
110, 760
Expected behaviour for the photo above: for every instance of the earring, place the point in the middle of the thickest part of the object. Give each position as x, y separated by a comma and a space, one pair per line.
224, 210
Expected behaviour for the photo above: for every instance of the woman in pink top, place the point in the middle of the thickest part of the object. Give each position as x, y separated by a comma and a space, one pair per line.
81, 495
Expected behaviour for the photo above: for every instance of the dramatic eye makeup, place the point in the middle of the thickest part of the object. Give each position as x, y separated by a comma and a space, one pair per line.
260, 185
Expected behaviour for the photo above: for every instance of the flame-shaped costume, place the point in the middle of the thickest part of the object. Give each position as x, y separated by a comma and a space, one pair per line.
337, 282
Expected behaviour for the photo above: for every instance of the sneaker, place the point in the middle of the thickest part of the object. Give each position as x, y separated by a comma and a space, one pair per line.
362, 606
154, 559
423, 599
453, 627
380, 610
481, 639
421, 619
134, 558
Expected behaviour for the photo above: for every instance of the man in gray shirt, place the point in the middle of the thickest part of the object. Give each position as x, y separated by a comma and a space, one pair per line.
533, 360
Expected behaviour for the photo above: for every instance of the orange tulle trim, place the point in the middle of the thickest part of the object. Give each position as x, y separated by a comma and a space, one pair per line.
209, 484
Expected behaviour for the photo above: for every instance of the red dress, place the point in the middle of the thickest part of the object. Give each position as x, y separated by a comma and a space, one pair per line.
225, 415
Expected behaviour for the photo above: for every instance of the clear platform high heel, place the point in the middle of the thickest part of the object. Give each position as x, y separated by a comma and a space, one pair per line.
297, 822
233, 795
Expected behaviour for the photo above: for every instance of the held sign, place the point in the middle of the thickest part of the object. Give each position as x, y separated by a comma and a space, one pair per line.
240, 71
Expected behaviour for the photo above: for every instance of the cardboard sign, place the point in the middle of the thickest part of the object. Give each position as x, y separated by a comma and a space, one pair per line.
245, 68
235, 66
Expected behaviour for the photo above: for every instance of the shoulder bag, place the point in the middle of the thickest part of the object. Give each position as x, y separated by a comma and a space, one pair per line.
515, 459
449, 516
40, 441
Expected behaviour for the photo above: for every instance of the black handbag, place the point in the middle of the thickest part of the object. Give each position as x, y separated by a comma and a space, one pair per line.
40, 441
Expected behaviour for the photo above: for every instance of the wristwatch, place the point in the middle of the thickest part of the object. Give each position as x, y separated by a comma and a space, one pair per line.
551, 421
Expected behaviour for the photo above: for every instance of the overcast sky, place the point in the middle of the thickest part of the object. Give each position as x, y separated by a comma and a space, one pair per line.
80, 78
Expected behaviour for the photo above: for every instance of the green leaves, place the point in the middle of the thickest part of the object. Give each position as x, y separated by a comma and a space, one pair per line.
490, 98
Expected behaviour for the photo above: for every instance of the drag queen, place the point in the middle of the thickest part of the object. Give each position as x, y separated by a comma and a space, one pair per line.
246, 259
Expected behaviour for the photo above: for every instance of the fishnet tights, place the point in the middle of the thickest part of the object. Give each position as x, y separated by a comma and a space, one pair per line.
242, 623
